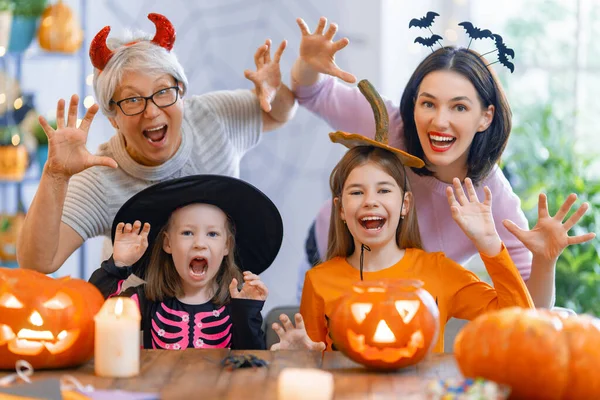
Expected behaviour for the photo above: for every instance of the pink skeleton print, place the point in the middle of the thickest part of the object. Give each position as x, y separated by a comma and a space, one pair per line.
171, 329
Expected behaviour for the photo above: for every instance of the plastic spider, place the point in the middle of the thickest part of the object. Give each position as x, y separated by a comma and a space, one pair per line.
243, 361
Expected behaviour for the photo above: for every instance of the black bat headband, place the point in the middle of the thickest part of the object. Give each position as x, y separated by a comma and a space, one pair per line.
473, 32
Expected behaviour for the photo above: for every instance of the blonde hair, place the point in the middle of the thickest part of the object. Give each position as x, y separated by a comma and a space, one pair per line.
163, 281
341, 242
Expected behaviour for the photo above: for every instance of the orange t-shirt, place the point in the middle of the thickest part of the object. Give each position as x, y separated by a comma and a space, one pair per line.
458, 292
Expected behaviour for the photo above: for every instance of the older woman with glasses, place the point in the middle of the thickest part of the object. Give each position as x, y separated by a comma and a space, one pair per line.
140, 86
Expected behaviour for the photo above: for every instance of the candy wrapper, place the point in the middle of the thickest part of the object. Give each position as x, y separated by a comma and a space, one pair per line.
466, 389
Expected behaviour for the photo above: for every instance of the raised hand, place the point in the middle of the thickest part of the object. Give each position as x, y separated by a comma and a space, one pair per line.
130, 243
318, 49
549, 237
473, 217
67, 154
267, 77
253, 289
294, 337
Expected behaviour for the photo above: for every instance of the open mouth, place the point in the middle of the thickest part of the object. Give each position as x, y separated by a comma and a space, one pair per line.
156, 135
31, 342
441, 143
386, 354
372, 223
198, 267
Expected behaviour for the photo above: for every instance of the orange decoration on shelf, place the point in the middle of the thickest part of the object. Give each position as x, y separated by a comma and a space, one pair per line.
47, 322
385, 324
10, 225
540, 354
13, 162
60, 30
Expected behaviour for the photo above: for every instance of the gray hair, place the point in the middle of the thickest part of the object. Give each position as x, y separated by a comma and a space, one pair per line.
143, 56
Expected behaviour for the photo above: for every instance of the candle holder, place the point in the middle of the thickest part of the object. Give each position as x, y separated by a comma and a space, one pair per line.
117, 339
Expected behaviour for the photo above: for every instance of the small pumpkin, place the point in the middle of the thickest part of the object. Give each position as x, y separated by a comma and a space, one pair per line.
59, 30
540, 354
385, 325
13, 162
10, 226
47, 322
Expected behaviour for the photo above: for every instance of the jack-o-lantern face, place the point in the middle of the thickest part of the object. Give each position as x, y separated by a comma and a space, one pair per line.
47, 322
385, 324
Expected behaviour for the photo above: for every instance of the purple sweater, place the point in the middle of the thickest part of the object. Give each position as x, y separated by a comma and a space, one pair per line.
346, 109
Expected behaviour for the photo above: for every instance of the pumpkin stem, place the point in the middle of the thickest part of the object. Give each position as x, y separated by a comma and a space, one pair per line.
379, 111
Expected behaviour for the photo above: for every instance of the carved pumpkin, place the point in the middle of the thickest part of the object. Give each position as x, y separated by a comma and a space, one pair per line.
59, 30
385, 324
541, 354
13, 162
47, 322
10, 225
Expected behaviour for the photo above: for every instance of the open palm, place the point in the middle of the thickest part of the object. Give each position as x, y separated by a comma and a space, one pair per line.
294, 337
549, 237
472, 216
318, 49
130, 243
67, 154
267, 77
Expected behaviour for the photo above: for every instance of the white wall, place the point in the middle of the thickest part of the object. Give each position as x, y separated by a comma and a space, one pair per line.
216, 41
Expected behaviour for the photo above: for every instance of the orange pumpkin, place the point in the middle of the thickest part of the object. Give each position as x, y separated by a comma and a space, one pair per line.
47, 322
10, 225
13, 162
59, 30
541, 354
385, 324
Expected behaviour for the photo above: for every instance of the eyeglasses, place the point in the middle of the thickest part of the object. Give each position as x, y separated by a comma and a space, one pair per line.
136, 105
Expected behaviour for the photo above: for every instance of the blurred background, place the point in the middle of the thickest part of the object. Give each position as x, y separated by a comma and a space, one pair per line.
553, 93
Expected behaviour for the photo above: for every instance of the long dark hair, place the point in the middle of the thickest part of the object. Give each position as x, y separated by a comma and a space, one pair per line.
488, 145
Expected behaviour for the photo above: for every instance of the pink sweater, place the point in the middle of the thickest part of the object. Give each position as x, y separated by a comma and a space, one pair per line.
346, 109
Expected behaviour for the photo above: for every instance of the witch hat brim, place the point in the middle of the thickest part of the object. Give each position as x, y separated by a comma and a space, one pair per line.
258, 224
351, 140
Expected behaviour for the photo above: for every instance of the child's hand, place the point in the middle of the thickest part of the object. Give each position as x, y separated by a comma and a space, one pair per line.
253, 289
318, 50
267, 77
130, 243
549, 237
294, 338
473, 217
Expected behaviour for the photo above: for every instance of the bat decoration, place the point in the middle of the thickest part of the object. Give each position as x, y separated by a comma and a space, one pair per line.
424, 22
475, 33
429, 42
503, 53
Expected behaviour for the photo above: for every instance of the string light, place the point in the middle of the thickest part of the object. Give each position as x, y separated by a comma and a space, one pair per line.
2, 98
88, 101
18, 103
89, 80
2, 51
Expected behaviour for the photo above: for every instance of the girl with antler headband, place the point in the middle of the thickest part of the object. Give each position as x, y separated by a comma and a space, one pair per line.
453, 114
139, 84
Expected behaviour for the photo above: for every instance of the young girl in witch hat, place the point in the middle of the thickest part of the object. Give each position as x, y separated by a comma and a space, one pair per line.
375, 235
201, 231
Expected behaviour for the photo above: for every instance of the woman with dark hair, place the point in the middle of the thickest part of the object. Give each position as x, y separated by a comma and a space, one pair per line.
454, 115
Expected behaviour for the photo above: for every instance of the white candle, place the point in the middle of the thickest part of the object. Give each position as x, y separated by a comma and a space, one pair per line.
304, 384
117, 339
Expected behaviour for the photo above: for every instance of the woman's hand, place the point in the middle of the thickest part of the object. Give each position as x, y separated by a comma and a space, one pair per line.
549, 237
294, 337
253, 289
67, 154
130, 243
267, 77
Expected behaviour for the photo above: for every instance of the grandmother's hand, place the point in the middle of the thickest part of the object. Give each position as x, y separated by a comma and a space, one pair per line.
67, 154
267, 77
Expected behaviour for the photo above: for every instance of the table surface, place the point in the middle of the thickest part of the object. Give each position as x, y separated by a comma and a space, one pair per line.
198, 374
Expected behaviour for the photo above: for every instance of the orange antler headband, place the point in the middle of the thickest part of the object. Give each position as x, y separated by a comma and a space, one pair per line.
100, 54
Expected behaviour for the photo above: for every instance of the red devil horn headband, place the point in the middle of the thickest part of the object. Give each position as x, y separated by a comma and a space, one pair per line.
100, 54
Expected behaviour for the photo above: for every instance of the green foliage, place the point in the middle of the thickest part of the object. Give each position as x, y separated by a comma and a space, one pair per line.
28, 8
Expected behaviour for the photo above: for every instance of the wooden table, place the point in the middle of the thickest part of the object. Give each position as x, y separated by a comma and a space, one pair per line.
197, 374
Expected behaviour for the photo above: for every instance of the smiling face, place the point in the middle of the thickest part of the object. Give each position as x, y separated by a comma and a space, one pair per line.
371, 201
153, 136
198, 240
448, 114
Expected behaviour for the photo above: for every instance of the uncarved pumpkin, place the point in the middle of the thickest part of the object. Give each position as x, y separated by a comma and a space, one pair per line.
47, 322
59, 30
540, 354
385, 324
